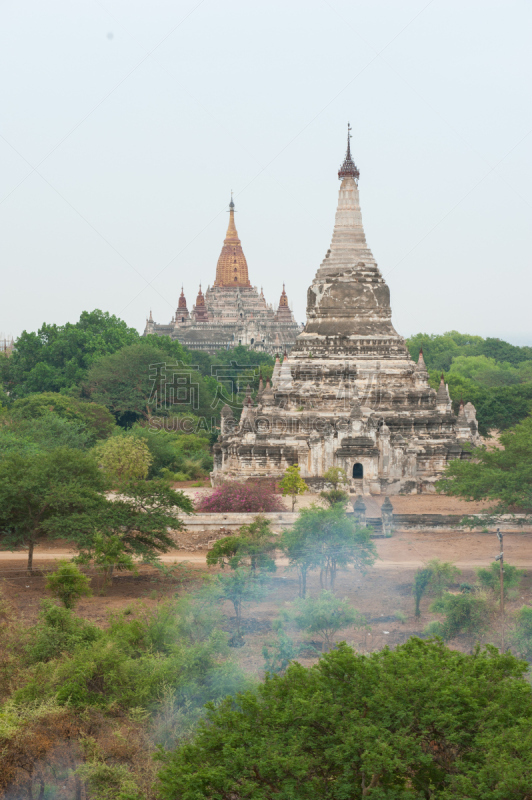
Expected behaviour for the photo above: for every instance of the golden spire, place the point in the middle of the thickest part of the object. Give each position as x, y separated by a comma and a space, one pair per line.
232, 268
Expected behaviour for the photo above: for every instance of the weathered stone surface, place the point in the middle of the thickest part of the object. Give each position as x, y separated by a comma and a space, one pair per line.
349, 394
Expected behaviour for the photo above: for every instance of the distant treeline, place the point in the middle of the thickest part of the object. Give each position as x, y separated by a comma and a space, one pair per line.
101, 360
492, 374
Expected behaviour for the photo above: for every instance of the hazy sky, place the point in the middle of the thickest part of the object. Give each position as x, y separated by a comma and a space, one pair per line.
125, 124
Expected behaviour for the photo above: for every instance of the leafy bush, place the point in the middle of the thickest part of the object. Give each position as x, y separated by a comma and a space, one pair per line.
59, 631
123, 458
175, 455
283, 651
324, 616
252, 547
247, 497
334, 496
490, 578
130, 664
442, 575
109, 782
68, 584
467, 613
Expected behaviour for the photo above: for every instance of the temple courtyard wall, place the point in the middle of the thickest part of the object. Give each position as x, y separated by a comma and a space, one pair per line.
423, 513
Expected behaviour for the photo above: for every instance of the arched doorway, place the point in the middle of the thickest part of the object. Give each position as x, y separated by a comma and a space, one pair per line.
358, 471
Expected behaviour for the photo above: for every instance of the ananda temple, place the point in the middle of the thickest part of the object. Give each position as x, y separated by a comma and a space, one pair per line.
231, 312
348, 394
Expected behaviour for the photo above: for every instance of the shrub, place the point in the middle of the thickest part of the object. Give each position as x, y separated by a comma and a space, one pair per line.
334, 496
283, 651
467, 613
325, 615
252, 547
107, 553
124, 458
247, 497
58, 631
490, 578
443, 574
68, 584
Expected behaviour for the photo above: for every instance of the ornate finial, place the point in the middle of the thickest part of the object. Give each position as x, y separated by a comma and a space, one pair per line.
348, 168
231, 204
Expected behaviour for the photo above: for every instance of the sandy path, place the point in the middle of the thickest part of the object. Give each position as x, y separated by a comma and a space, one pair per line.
402, 551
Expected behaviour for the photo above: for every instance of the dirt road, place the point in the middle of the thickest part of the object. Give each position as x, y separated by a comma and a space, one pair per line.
402, 551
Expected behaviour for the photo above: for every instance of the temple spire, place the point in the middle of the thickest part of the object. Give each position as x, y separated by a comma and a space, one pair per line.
232, 268
348, 168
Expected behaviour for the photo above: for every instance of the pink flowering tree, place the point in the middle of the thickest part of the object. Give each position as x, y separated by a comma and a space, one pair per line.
235, 496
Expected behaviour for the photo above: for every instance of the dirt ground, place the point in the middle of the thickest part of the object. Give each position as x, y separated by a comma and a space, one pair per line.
379, 594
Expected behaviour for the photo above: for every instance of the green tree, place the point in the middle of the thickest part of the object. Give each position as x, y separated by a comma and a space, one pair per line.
467, 613
174, 452
325, 615
501, 475
57, 357
326, 539
240, 587
442, 575
132, 383
417, 722
95, 418
68, 584
292, 484
42, 435
38, 492
252, 546
107, 553
489, 578
421, 582
123, 458
141, 524
338, 478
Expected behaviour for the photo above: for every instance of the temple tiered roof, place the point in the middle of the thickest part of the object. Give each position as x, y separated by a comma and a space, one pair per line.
232, 268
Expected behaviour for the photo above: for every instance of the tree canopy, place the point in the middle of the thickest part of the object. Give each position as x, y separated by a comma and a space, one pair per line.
420, 721
326, 539
39, 492
501, 475
58, 356
492, 374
